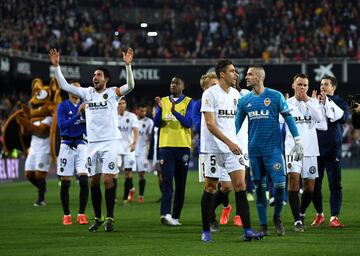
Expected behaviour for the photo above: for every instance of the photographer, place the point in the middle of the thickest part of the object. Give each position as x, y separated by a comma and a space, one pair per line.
355, 108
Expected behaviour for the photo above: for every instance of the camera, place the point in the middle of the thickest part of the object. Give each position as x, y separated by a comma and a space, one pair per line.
352, 100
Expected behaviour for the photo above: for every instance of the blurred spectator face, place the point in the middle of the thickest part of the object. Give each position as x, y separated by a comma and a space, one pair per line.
99, 80
121, 106
252, 79
176, 87
209, 83
142, 112
326, 87
300, 86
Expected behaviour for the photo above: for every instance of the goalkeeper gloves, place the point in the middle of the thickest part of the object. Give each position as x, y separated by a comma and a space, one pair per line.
297, 151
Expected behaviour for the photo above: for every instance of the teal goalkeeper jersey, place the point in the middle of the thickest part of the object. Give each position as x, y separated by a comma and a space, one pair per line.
263, 113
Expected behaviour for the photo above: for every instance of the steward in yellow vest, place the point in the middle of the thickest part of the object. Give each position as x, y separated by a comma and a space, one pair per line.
173, 116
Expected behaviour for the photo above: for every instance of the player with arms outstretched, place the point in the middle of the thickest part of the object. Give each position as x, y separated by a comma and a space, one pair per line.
102, 131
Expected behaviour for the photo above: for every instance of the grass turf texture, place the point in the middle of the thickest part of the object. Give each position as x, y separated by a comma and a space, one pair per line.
29, 230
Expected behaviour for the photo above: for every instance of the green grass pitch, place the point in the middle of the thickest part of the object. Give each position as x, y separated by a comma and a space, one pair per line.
28, 230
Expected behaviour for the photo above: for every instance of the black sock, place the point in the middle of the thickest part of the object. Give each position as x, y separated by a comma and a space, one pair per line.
110, 201
225, 201
242, 207
294, 202
42, 189
115, 181
84, 193
219, 198
33, 181
131, 183
127, 186
142, 187
317, 196
64, 196
306, 198
96, 200
207, 209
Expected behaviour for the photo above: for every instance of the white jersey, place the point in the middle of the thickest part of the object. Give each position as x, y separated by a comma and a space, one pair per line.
101, 114
223, 105
145, 128
243, 137
126, 124
307, 116
41, 145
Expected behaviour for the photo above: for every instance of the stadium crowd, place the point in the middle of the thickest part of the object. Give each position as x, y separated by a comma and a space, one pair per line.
294, 30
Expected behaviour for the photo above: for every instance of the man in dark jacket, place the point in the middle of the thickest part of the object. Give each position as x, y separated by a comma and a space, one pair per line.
336, 111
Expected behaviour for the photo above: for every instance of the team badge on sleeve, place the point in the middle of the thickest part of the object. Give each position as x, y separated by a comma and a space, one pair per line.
267, 102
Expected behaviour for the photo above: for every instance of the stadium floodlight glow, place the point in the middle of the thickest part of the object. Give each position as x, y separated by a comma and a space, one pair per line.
143, 25
152, 33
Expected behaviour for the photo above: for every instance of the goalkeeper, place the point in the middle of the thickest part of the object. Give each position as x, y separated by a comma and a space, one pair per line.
262, 106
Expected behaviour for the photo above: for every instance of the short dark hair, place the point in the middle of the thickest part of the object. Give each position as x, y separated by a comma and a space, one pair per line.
180, 77
331, 78
301, 75
221, 66
105, 71
142, 105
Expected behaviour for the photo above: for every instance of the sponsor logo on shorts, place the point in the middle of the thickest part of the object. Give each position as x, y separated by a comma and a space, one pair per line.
132, 162
277, 167
267, 102
161, 161
185, 158
289, 165
111, 165
213, 170
41, 165
312, 169
241, 161
105, 96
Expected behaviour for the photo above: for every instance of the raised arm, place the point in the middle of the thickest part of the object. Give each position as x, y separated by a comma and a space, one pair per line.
130, 83
54, 56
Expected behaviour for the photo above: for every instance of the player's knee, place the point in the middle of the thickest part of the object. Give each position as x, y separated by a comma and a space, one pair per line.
40, 175
141, 175
128, 174
29, 175
95, 181
210, 188
239, 185
226, 187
